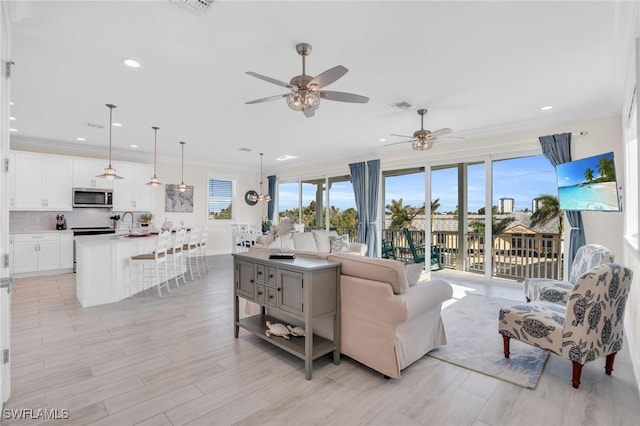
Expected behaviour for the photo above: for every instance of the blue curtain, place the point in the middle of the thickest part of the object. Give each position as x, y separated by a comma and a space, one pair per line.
557, 149
358, 181
373, 168
272, 193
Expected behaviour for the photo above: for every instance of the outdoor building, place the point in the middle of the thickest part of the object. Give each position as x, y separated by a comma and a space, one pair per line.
506, 205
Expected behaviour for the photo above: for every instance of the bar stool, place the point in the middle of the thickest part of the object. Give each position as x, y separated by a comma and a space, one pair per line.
190, 251
175, 256
152, 264
202, 248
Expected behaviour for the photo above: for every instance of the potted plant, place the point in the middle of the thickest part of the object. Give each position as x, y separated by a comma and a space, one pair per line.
145, 218
266, 225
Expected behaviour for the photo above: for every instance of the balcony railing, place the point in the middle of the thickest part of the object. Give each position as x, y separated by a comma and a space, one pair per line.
513, 256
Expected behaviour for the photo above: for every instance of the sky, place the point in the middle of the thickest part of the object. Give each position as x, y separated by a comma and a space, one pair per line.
522, 179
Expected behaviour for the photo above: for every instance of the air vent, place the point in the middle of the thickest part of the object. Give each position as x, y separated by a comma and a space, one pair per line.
245, 149
96, 126
404, 105
200, 6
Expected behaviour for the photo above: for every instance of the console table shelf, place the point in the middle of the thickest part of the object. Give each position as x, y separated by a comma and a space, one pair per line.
295, 345
305, 288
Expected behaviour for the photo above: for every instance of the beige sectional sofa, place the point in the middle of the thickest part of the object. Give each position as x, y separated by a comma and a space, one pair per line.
389, 319
388, 322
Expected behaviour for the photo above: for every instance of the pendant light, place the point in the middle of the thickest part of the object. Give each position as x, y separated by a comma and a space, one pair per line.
110, 172
182, 187
261, 196
154, 180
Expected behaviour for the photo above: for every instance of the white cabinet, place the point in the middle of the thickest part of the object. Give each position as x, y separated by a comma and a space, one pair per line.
36, 252
66, 250
40, 182
132, 193
85, 171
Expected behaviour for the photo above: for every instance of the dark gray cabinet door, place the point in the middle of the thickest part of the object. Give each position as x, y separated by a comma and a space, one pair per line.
245, 279
290, 291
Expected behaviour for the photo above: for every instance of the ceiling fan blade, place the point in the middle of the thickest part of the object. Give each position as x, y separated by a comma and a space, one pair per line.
329, 76
402, 136
309, 112
440, 132
269, 79
267, 99
398, 143
343, 97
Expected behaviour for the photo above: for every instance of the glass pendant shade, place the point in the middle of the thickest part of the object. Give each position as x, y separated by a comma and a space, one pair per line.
182, 187
422, 144
261, 196
109, 171
154, 180
303, 100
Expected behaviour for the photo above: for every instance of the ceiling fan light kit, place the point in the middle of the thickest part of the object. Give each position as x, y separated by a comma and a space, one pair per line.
422, 139
305, 92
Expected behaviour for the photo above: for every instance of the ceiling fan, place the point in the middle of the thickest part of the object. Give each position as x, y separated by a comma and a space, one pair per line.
305, 92
422, 139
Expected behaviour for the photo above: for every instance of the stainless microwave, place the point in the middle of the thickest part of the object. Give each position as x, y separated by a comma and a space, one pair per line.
92, 197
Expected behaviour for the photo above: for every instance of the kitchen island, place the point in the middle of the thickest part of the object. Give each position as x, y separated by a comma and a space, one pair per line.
103, 273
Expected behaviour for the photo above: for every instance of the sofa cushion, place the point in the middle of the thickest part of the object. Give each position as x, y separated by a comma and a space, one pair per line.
339, 243
322, 239
414, 271
387, 271
304, 241
285, 243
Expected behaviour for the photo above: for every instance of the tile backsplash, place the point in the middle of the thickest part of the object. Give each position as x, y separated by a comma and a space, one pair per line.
28, 221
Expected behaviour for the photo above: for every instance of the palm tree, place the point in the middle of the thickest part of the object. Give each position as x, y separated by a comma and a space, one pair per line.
435, 205
607, 170
588, 174
548, 211
402, 216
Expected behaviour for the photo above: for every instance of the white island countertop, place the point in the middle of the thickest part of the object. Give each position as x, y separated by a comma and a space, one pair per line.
102, 265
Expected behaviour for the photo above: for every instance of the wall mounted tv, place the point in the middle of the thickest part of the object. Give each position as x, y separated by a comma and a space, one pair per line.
588, 184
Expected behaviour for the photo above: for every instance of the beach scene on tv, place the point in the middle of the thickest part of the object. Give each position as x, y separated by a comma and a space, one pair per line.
588, 184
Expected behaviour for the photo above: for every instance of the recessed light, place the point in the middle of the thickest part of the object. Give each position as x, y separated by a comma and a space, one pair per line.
286, 157
13, 130
547, 107
81, 139
133, 146
382, 140
10, 103
12, 118
117, 124
132, 63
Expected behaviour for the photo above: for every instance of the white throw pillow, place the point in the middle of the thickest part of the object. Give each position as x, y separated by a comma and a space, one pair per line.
287, 243
304, 241
322, 239
339, 243
414, 271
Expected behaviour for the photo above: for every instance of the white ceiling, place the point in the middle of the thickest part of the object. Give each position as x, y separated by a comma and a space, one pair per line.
480, 68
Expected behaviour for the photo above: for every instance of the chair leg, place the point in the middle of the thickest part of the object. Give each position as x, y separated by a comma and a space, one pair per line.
157, 270
577, 372
505, 344
608, 367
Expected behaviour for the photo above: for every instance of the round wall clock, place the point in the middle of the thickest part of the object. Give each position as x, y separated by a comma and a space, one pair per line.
249, 197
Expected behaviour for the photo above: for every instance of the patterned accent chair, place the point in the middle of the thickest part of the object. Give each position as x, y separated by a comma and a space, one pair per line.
557, 291
588, 327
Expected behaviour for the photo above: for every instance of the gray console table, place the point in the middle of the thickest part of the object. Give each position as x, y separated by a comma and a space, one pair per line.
304, 287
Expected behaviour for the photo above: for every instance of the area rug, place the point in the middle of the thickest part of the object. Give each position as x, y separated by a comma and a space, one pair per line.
473, 342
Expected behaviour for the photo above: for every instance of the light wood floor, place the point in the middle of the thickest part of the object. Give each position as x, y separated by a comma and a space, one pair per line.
174, 361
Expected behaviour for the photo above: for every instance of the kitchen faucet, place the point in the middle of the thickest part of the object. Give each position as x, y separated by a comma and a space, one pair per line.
124, 214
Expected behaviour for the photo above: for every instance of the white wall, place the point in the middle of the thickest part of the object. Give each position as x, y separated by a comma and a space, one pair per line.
220, 240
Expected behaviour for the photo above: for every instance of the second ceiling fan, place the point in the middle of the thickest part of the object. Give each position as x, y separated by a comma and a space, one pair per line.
422, 139
305, 92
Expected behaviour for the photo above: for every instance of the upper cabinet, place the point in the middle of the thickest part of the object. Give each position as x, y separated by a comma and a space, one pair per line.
40, 182
85, 171
131, 192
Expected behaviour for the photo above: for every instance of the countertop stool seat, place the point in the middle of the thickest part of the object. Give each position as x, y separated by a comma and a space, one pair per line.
190, 251
175, 256
152, 267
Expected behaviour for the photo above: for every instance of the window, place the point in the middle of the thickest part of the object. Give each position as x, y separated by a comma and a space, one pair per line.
630, 199
220, 198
